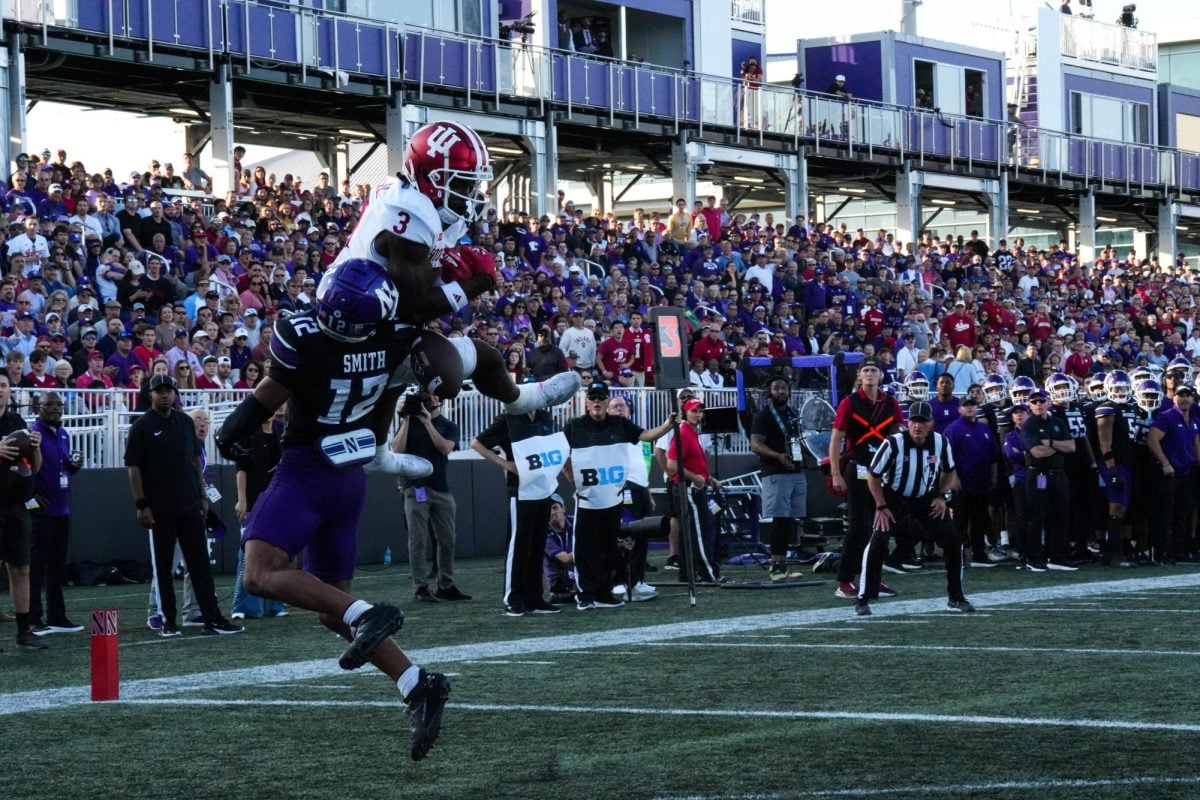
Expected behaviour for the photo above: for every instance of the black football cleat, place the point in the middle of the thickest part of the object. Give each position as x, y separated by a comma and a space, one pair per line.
370, 630
425, 704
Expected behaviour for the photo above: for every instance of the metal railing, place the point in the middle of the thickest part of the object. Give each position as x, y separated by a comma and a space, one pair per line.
1091, 40
422, 59
98, 420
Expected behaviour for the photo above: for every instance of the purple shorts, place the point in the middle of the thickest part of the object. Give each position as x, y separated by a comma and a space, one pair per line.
313, 507
1122, 495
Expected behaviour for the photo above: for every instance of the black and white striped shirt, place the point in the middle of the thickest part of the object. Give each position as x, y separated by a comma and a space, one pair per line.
911, 470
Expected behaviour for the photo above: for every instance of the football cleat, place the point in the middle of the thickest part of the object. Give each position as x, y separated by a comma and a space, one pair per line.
550, 392
370, 630
400, 464
425, 704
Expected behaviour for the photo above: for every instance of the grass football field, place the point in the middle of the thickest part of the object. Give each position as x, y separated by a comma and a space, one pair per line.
1062, 686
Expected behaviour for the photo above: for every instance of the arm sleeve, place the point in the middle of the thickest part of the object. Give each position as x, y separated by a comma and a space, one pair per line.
882, 462
495, 435
135, 455
758, 427
633, 434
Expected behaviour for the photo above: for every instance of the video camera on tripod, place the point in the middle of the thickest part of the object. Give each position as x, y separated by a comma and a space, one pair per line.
523, 26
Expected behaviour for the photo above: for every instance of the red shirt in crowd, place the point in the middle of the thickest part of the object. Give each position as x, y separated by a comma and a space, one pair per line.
959, 329
874, 320
1079, 365
706, 348
613, 353
1040, 328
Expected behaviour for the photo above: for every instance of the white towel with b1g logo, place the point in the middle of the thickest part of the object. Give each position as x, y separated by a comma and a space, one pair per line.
539, 459
599, 474
636, 470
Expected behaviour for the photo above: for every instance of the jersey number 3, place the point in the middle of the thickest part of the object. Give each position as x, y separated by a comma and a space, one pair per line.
402, 220
353, 398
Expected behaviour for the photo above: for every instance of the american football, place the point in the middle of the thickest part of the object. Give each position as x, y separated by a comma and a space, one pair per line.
437, 366
25, 447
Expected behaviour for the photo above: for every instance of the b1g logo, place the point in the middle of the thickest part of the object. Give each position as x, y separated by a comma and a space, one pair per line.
604, 476
550, 459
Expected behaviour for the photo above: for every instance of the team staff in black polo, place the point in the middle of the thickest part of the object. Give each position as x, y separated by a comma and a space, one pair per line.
909, 479
864, 419
1046, 440
166, 476
775, 439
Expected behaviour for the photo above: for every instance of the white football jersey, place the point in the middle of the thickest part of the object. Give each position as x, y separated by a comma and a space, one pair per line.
396, 206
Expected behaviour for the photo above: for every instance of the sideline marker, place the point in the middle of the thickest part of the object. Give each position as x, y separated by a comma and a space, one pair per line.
106, 672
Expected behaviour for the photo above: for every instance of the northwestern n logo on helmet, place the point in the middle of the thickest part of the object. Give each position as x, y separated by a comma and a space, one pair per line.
389, 298
442, 139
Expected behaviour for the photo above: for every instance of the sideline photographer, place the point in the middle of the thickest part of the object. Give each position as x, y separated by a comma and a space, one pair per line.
775, 439
429, 507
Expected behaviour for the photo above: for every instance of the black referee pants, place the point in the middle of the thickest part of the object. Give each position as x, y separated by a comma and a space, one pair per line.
862, 510
188, 531
598, 562
529, 522
913, 520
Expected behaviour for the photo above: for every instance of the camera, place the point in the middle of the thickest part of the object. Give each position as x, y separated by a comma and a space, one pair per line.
523, 26
1127, 19
414, 404
703, 167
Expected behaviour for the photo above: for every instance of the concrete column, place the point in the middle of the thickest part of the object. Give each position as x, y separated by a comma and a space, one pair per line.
1085, 229
220, 120
1142, 245
343, 164
796, 193
543, 177
1168, 218
908, 206
683, 174
327, 148
395, 133
998, 211
12, 88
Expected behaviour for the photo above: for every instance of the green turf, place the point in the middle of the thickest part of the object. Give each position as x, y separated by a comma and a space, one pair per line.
360, 751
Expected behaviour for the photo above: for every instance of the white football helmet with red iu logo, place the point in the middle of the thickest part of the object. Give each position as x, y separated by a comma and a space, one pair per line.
449, 164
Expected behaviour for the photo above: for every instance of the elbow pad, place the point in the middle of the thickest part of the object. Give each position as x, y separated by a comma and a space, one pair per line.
240, 424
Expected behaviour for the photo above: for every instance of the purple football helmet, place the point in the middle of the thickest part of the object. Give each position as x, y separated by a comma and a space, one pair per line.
353, 299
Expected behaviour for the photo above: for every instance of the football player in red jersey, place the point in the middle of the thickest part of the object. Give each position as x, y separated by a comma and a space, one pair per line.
411, 227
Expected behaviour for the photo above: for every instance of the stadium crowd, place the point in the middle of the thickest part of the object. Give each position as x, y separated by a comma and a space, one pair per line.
109, 282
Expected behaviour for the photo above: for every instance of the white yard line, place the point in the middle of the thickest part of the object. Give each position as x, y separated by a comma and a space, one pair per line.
954, 789
503, 661
933, 648
1076, 610
42, 699
734, 713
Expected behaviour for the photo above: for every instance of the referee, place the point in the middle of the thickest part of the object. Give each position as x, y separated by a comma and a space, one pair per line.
909, 477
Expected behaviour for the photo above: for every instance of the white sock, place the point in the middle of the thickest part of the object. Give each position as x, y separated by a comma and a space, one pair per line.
532, 398
408, 680
1004, 538
355, 611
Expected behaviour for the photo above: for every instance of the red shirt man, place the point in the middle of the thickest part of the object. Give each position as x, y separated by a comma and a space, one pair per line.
874, 320
616, 352
643, 351
709, 346
959, 327
1079, 363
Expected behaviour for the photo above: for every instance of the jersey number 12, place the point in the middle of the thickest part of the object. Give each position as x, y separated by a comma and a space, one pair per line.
353, 398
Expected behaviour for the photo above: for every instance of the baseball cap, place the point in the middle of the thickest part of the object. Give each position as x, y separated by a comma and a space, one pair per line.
692, 404
159, 381
124, 335
88, 333
223, 360
920, 412
1185, 389
968, 401
180, 332
201, 333
209, 360
598, 390
241, 333
95, 354
869, 361
250, 312
25, 315
557, 498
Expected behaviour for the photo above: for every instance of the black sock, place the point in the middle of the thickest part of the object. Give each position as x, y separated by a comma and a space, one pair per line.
781, 528
22, 622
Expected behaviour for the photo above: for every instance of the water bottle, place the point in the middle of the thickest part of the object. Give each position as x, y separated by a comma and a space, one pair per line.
387, 556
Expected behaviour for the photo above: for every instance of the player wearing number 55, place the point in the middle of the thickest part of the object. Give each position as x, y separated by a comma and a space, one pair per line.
600, 453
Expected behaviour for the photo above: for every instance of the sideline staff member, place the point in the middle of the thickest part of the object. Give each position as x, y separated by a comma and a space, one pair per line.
864, 419
1174, 441
16, 490
165, 474
1045, 439
775, 439
909, 478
